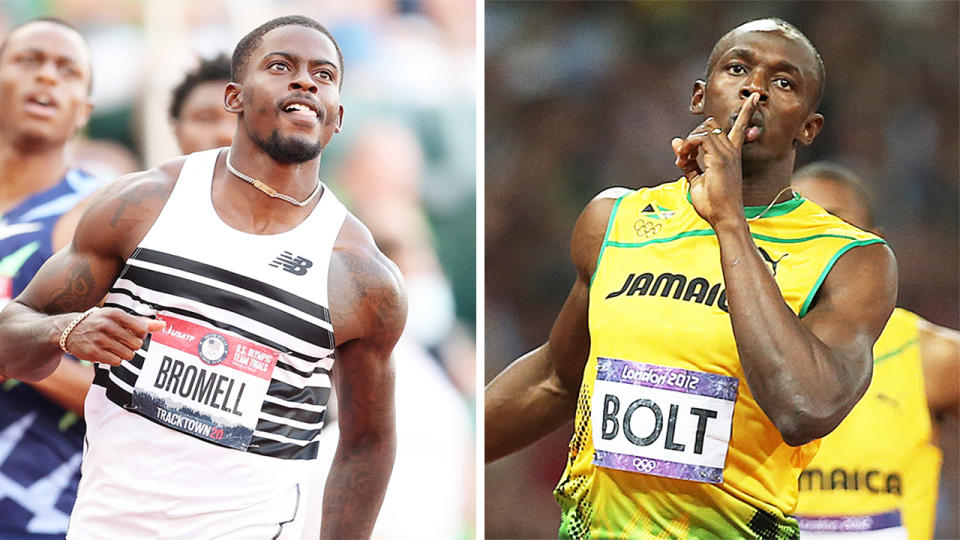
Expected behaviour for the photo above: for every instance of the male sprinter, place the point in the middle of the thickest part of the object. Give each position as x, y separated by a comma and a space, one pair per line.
878, 471
44, 100
196, 109
233, 276
716, 329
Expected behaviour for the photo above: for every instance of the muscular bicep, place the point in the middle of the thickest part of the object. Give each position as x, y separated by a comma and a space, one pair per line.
364, 380
79, 275
368, 307
70, 280
569, 343
854, 303
106, 233
364, 371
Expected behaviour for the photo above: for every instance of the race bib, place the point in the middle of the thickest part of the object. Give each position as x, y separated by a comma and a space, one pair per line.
663, 421
204, 381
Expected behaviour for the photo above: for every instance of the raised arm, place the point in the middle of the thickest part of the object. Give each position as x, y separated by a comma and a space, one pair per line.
806, 374
368, 309
537, 393
76, 278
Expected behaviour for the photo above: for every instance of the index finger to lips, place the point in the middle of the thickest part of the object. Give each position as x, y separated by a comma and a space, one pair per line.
738, 131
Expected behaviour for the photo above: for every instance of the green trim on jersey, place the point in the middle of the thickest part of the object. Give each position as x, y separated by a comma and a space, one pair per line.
896, 351
766, 238
829, 266
711, 232
606, 235
778, 209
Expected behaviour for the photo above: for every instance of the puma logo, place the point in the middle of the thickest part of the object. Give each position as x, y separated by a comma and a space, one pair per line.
770, 260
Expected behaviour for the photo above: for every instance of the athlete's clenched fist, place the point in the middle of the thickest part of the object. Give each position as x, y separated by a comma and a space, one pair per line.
109, 336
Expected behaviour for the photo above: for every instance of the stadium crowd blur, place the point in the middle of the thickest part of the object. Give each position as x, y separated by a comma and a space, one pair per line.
404, 164
579, 97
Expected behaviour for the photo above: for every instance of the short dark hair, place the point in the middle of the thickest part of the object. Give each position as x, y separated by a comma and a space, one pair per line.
209, 69
63, 23
249, 42
832, 172
790, 30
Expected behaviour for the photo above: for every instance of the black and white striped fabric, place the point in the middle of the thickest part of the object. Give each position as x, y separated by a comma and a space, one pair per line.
268, 289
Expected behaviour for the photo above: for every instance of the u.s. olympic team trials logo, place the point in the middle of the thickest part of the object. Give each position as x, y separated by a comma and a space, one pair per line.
213, 349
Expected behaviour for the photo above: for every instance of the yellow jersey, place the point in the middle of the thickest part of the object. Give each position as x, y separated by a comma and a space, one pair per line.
668, 440
879, 469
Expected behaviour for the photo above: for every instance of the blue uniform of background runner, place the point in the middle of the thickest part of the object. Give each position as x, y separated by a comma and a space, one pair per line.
40, 441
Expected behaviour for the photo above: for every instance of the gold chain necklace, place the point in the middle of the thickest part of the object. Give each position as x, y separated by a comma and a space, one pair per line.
269, 190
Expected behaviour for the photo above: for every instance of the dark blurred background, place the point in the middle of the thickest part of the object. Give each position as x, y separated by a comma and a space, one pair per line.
582, 96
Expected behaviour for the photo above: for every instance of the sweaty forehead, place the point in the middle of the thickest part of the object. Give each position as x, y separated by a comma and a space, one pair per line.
769, 38
298, 41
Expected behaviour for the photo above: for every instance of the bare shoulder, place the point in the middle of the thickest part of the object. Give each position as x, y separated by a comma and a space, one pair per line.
866, 268
591, 228
119, 215
861, 287
367, 295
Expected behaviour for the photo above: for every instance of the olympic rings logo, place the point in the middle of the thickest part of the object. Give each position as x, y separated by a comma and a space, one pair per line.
645, 465
646, 228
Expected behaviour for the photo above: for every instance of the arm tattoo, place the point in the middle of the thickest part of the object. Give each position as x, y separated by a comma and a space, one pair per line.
368, 286
136, 197
364, 460
390, 301
372, 284
75, 294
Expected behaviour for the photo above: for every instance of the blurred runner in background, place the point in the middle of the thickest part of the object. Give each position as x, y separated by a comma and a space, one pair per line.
880, 468
196, 107
45, 72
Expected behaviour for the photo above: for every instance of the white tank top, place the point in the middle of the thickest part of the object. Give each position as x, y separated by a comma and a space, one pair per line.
221, 410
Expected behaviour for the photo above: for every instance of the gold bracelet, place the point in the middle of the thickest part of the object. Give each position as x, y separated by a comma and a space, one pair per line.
71, 326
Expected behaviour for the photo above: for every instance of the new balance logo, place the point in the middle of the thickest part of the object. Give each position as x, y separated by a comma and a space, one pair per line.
290, 263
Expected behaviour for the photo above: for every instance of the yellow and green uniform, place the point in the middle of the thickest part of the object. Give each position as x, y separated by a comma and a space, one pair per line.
879, 469
668, 440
